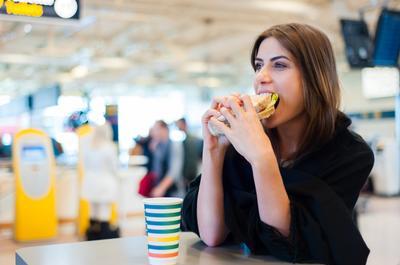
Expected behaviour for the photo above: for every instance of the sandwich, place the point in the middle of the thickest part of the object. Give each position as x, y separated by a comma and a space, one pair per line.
264, 105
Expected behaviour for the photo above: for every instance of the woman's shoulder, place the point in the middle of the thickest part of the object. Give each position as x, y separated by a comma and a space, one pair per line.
352, 147
349, 141
346, 148
345, 139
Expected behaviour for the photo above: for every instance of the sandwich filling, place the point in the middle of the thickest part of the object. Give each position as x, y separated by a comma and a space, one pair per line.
264, 104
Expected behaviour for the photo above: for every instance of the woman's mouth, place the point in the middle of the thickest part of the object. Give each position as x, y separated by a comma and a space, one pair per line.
277, 103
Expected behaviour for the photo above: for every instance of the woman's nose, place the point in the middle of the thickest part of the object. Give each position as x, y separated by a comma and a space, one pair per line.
263, 76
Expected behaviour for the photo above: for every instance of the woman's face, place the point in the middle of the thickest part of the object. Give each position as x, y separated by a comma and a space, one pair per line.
276, 72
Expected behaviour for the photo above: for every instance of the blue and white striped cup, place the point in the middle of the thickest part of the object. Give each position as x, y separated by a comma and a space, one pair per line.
163, 217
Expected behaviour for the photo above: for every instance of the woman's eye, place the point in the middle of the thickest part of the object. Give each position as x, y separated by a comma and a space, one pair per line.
279, 65
258, 67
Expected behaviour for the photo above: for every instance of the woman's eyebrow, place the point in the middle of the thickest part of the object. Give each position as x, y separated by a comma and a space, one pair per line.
279, 57
273, 58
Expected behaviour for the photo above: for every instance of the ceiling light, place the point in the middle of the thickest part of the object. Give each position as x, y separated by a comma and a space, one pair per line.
196, 67
287, 7
113, 62
80, 71
212, 82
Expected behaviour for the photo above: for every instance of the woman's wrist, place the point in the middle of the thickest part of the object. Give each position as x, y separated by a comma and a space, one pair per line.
213, 159
216, 151
212, 162
262, 159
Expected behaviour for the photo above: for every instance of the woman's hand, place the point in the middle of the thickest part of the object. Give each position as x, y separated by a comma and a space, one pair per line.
211, 142
246, 132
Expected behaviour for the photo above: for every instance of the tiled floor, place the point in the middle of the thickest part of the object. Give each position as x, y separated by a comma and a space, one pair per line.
379, 225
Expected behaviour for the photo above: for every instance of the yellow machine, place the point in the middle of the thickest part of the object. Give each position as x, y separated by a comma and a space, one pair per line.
34, 170
84, 133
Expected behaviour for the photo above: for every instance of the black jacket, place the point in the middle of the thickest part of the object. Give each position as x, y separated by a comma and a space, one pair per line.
323, 188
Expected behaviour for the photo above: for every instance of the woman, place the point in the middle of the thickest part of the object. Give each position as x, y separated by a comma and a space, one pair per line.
100, 184
285, 186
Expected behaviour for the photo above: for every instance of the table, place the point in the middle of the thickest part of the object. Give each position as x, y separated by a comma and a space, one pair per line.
133, 251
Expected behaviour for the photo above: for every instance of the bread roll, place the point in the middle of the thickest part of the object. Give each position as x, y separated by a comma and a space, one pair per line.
264, 105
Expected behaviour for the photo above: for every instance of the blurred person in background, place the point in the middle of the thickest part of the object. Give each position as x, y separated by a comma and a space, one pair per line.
100, 184
192, 147
57, 147
5, 149
167, 162
2, 148
142, 147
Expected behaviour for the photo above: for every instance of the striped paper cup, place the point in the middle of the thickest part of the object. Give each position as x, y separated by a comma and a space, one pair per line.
163, 218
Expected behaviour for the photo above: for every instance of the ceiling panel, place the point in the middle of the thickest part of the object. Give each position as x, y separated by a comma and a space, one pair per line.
150, 42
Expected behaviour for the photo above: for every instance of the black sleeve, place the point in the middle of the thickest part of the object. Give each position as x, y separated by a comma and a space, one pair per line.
189, 208
321, 223
348, 172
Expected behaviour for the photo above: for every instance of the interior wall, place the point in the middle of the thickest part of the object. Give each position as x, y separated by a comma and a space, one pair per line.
353, 99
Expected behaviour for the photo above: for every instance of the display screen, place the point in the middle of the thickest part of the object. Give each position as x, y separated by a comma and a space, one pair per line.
387, 38
33, 153
358, 43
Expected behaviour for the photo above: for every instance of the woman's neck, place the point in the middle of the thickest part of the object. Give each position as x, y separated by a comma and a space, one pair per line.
290, 136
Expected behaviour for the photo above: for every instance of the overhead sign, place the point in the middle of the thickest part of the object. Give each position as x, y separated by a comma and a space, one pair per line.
66, 9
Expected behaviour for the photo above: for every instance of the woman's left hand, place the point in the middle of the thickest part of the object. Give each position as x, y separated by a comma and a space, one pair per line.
246, 132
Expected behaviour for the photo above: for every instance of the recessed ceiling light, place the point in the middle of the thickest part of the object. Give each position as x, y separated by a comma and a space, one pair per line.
79, 71
287, 6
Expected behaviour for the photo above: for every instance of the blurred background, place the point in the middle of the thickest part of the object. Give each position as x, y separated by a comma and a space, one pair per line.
65, 64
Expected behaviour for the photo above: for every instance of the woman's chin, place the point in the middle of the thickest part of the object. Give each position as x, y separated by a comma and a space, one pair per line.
268, 123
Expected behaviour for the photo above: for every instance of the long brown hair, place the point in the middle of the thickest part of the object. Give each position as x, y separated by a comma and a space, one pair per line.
313, 55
